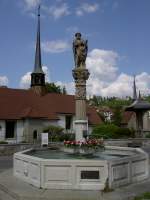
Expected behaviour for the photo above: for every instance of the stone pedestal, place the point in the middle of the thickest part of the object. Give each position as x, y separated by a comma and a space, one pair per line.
81, 127
80, 76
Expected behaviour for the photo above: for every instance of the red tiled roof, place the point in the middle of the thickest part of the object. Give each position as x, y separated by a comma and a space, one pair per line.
18, 104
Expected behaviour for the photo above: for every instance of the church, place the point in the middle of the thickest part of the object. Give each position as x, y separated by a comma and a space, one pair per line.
25, 113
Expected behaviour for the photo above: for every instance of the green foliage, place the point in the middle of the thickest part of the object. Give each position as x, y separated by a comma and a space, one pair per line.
53, 129
53, 88
125, 133
56, 134
64, 91
61, 137
145, 196
111, 131
3, 142
104, 130
111, 102
115, 104
147, 135
117, 115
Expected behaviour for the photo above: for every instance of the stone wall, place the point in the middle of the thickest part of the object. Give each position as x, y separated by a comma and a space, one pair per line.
132, 166
142, 142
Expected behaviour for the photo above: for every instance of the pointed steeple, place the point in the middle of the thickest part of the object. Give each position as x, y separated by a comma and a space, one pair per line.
139, 98
38, 76
38, 63
134, 90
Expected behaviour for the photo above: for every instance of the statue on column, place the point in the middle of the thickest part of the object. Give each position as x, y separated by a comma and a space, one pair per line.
80, 49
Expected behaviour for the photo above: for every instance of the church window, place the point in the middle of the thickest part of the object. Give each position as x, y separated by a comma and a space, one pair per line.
10, 129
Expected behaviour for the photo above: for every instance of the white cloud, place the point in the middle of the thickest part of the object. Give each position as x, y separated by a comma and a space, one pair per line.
57, 11
56, 46
102, 64
3, 80
104, 79
70, 87
31, 4
25, 81
47, 75
87, 8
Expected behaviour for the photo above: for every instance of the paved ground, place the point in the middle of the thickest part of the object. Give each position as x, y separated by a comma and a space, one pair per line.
6, 162
12, 188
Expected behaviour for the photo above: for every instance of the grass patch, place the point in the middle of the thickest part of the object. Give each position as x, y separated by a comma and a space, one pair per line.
144, 196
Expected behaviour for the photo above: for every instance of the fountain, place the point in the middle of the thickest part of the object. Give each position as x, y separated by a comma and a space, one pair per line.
59, 169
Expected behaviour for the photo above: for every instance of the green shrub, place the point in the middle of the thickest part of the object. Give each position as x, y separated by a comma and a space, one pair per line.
3, 142
145, 196
61, 137
56, 134
147, 135
125, 133
111, 131
53, 129
105, 130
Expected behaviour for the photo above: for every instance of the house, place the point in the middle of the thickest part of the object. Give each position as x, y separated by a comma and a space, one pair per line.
25, 113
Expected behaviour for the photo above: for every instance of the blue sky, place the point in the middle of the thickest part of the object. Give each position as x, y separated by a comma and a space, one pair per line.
118, 33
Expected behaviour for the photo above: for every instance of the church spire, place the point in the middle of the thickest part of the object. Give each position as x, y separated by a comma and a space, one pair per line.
38, 76
140, 95
134, 90
38, 63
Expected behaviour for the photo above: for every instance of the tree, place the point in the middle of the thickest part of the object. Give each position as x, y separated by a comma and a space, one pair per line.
53, 88
111, 131
64, 91
117, 115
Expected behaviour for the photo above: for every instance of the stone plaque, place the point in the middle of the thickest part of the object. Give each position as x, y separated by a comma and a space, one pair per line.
90, 175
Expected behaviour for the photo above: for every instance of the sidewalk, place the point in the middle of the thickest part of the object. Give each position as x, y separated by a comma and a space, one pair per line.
18, 190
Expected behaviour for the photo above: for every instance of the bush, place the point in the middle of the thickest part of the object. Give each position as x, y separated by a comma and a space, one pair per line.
125, 133
105, 130
56, 134
61, 137
3, 142
53, 129
147, 135
145, 196
111, 131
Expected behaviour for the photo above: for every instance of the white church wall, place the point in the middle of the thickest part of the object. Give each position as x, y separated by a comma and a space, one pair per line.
26, 128
20, 131
2, 130
62, 121
36, 124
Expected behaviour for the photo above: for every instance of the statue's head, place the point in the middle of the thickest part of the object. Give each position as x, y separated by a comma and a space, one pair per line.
78, 35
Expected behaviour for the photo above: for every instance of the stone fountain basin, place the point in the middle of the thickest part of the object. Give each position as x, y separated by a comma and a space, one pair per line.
116, 166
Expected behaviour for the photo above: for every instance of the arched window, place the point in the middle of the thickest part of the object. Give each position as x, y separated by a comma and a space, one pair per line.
35, 134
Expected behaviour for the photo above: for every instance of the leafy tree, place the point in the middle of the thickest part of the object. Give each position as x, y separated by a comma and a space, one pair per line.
117, 115
64, 91
109, 101
104, 131
111, 131
53, 88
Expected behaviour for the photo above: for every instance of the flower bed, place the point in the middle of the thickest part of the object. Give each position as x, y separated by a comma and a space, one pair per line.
83, 147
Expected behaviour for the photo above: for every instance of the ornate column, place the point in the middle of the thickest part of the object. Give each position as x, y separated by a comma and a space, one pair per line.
80, 75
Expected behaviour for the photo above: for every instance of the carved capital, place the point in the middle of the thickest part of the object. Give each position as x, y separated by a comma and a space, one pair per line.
80, 75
